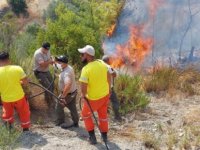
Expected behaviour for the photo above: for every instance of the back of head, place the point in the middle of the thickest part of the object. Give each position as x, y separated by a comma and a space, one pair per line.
4, 56
105, 58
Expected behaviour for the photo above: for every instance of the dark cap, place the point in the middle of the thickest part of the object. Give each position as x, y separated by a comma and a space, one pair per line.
46, 45
4, 55
62, 58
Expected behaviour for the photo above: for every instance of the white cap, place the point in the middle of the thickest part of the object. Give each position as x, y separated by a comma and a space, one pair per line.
87, 49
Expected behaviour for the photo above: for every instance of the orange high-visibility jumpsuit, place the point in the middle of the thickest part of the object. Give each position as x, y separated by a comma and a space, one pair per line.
22, 108
100, 106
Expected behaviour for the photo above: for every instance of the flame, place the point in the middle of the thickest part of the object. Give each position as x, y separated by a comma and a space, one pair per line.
134, 51
111, 30
116, 62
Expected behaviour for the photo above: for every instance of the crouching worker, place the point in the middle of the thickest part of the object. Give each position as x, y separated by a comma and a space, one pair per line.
67, 88
12, 94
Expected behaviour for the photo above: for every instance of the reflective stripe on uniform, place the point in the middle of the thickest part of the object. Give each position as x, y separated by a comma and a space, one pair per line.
8, 119
104, 120
84, 118
24, 123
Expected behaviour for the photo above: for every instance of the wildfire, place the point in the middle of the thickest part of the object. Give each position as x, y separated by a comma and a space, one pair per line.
111, 30
116, 62
134, 51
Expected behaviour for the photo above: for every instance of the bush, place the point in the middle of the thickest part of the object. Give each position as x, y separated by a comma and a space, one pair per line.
18, 7
171, 80
130, 93
7, 32
33, 29
161, 79
74, 24
8, 139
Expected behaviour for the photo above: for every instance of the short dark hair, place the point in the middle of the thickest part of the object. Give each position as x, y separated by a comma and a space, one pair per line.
46, 45
4, 55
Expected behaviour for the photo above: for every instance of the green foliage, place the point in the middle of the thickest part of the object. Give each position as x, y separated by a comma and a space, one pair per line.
18, 7
7, 31
130, 93
33, 29
23, 49
8, 139
72, 25
50, 13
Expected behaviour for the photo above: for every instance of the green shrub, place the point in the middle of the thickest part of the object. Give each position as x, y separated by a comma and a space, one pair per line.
8, 139
33, 29
74, 24
130, 93
18, 7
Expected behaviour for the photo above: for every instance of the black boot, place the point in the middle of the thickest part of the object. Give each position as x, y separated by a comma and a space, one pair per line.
104, 136
92, 137
117, 116
25, 129
8, 126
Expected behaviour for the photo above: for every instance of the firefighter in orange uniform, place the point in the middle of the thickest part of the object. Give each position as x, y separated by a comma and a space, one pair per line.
95, 85
12, 94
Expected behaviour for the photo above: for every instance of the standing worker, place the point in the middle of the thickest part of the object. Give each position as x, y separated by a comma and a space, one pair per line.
113, 96
42, 60
95, 83
12, 94
67, 88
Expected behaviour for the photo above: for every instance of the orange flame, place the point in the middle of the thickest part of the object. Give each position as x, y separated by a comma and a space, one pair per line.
138, 46
111, 30
116, 62
134, 51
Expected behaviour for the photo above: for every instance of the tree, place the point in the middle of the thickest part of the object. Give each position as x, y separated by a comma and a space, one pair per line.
18, 7
77, 24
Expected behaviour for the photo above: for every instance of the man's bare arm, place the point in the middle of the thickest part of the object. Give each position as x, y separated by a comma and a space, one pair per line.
66, 89
83, 89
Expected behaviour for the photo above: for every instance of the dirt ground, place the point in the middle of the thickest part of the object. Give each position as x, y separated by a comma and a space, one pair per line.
160, 117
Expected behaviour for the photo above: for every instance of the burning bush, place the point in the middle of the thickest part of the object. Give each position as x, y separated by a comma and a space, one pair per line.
130, 93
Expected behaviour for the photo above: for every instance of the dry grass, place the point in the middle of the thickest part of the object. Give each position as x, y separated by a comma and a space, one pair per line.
172, 139
192, 117
172, 80
151, 141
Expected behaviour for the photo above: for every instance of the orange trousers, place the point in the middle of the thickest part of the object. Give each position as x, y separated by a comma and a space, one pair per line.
101, 107
22, 108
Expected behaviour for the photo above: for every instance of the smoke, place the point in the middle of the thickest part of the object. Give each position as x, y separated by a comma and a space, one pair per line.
173, 24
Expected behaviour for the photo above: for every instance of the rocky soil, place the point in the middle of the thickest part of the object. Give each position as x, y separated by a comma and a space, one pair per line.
150, 128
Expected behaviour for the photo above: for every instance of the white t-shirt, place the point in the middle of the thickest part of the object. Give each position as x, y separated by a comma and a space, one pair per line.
66, 76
